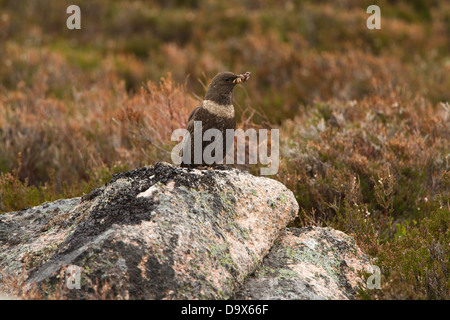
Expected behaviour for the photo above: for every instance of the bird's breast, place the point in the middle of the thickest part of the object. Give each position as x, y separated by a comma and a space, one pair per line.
219, 110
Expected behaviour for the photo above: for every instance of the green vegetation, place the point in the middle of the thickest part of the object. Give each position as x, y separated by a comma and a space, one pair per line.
363, 114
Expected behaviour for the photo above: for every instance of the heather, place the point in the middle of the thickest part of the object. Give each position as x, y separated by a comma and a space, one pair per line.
363, 114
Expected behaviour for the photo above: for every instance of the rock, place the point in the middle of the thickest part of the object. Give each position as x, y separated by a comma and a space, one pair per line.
4, 296
29, 236
162, 232
308, 264
158, 232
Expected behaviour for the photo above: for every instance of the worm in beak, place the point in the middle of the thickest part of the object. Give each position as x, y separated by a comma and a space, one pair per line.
242, 78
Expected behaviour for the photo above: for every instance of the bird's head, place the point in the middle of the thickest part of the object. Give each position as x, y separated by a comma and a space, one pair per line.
222, 86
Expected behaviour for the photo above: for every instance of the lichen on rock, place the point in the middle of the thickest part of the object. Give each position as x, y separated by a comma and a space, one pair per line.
163, 232
309, 264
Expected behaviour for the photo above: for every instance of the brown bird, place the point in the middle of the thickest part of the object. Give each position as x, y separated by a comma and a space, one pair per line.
215, 112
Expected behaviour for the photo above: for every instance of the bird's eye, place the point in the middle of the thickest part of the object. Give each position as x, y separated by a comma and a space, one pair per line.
227, 79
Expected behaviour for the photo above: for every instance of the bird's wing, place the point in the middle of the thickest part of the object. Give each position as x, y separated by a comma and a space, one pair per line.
190, 123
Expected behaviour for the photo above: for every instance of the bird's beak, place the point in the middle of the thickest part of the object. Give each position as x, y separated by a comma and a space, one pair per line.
242, 78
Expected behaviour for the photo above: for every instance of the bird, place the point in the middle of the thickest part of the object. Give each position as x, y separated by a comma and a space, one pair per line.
215, 112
